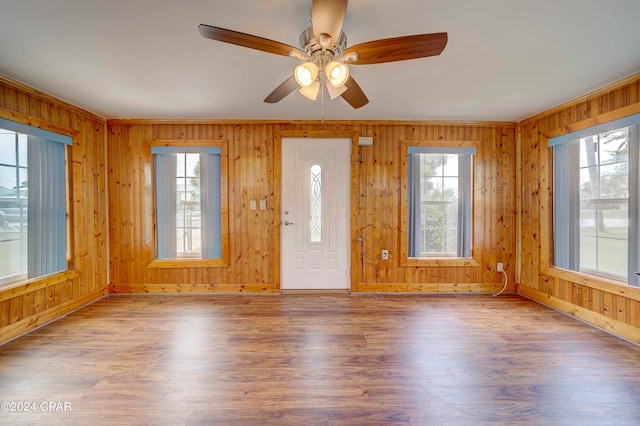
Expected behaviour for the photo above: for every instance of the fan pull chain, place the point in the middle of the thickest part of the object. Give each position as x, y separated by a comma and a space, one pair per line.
322, 102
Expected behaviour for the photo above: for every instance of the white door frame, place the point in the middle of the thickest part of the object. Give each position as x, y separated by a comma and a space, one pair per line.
355, 155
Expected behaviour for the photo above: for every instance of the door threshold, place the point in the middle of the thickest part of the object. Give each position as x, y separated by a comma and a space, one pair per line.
316, 291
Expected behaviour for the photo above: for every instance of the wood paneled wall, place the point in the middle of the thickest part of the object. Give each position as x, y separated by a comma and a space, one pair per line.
603, 303
31, 304
113, 242
254, 235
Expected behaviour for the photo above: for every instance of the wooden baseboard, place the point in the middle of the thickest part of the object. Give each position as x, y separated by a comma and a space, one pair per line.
433, 287
268, 288
193, 288
598, 320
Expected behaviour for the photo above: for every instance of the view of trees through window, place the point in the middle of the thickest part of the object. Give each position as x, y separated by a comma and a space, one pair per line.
604, 202
439, 203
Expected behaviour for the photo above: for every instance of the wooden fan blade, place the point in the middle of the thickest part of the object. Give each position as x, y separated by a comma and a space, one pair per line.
327, 17
399, 48
354, 94
246, 40
288, 86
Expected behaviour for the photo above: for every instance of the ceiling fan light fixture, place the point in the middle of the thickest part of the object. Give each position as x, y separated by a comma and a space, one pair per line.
337, 73
322, 43
306, 74
311, 91
334, 92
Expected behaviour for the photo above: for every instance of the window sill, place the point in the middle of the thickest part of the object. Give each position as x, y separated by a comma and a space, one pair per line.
187, 263
17, 288
595, 281
440, 261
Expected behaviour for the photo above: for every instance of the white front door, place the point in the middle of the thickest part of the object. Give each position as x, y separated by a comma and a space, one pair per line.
316, 213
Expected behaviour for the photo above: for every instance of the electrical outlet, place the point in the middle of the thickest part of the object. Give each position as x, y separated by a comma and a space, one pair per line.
500, 267
384, 255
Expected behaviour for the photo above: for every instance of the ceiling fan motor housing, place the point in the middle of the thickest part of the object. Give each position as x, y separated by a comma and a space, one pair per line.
310, 46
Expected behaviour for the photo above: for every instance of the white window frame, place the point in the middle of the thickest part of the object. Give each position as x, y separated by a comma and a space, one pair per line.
47, 201
566, 239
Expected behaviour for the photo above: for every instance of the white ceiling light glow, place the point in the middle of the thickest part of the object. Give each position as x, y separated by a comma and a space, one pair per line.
331, 74
337, 73
306, 74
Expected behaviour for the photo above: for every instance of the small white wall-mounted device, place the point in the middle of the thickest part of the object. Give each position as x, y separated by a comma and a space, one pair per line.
365, 140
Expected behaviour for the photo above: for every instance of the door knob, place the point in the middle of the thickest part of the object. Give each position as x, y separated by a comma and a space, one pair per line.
286, 222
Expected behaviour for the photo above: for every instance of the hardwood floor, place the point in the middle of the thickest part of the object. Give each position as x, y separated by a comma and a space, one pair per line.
319, 359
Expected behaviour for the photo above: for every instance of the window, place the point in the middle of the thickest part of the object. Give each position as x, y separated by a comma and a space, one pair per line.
315, 200
596, 200
439, 192
33, 202
188, 208
188, 201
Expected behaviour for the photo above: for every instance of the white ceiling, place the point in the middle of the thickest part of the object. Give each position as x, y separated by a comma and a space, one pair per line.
505, 60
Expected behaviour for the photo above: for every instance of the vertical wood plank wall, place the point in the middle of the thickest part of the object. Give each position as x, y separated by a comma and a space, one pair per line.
609, 306
115, 239
254, 235
30, 305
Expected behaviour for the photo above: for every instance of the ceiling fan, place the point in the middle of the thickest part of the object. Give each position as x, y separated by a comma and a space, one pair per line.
326, 55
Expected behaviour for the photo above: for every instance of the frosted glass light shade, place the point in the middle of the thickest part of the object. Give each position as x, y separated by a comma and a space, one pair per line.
306, 74
311, 91
334, 92
337, 73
